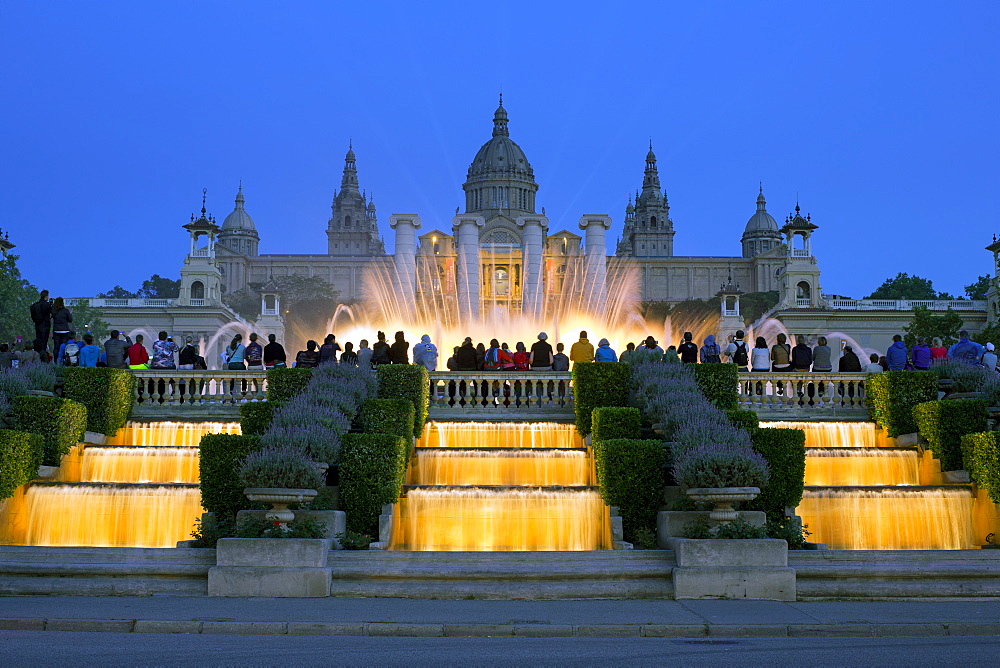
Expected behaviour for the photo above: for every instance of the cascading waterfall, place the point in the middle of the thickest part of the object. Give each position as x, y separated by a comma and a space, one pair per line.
141, 490
863, 492
506, 486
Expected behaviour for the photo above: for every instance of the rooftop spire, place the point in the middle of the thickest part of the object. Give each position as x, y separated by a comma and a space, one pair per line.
651, 179
239, 196
204, 195
761, 204
350, 178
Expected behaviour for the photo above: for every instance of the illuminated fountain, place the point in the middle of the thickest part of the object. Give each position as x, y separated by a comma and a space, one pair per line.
139, 490
501, 486
863, 492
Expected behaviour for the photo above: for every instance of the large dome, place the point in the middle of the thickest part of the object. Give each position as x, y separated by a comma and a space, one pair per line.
761, 221
239, 219
500, 155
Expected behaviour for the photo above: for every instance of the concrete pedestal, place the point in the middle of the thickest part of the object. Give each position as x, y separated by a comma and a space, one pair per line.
271, 567
732, 569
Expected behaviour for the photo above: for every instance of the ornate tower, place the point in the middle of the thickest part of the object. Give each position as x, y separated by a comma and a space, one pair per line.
649, 232
761, 233
353, 228
799, 281
201, 280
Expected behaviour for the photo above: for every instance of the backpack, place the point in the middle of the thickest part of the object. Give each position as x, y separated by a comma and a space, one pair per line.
381, 353
712, 354
71, 356
254, 353
740, 356
492, 361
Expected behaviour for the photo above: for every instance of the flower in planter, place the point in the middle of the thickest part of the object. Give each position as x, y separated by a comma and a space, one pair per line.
279, 467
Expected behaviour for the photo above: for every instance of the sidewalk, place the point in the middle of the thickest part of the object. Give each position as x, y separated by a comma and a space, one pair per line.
465, 618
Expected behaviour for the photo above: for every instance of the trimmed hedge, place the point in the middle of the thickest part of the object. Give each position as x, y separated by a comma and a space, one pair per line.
630, 472
785, 452
406, 381
891, 396
598, 384
219, 465
719, 383
615, 422
944, 423
371, 475
60, 423
981, 453
387, 416
283, 384
256, 417
108, 394
746, 420
20, 457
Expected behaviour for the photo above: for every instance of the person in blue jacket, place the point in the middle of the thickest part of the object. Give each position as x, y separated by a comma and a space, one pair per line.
604, 352
895, 356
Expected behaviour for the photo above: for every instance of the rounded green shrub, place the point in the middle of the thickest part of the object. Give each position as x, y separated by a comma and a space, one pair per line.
286, 467
615, 422
371, 475
60, 423
108, 394
597, 384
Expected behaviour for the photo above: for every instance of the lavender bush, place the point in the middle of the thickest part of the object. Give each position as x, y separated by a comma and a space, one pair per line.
313, 440
717, 465
282, 466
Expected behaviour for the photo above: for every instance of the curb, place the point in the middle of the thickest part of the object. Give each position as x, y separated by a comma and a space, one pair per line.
392, 629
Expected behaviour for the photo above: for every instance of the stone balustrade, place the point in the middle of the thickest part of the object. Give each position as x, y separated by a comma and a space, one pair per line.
493, 394
804, 393
484, 394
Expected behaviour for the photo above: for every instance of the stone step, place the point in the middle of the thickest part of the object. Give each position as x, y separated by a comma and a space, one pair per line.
104, 571
503, 575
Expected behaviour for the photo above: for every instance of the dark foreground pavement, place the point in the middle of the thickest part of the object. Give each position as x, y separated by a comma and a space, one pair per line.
477, 618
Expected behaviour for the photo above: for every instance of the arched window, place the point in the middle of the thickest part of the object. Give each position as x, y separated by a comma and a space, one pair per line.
347, 221
802, 290
652, 221
197, 290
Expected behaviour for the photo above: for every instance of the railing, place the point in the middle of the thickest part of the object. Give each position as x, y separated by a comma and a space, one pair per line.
200, 252
196, 302
799, 252
806, 392
907, 304
501, 392
106, 302
170, 389
803, 302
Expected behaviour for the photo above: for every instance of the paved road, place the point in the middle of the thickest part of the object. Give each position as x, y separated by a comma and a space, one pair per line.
27, 648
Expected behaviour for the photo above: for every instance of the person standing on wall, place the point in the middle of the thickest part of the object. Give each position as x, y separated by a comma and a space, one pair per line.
61, 317
41, 315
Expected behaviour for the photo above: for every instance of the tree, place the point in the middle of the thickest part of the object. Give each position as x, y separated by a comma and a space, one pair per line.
247, 305
16, 296
904, 286
928, 325
755, 304
978, 289
158, 287
118, 292
87, 318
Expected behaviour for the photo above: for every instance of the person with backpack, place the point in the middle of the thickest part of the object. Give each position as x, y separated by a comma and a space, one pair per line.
491, 360
41, 315
69, 351
328, 351
781, 354
738, 353
254, 354
380, 351
425, 353
710, 352
688, 351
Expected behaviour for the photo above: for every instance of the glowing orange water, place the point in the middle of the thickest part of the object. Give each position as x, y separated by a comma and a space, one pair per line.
834, 434
552, 467
122, 512
506, 486
500, 435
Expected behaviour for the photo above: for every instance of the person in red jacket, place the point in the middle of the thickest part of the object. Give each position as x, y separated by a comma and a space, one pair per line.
137, 355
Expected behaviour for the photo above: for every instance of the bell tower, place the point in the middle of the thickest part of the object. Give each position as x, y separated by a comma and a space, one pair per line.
201, 280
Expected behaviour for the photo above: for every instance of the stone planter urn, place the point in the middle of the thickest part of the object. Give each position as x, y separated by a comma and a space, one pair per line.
723, 498
280, 498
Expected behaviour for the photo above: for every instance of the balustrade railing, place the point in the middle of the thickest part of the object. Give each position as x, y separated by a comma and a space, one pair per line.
172, 389
501, 391
808, 392
479, 392
907, 304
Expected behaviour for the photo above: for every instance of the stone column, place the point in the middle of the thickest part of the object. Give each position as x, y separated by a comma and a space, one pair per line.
405, 259
595, 289
466, 232
532, 287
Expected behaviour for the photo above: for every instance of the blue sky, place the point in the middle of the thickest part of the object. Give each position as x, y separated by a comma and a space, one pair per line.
880, 117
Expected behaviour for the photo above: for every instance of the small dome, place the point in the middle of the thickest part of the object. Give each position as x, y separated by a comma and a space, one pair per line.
499, 154
239, 219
